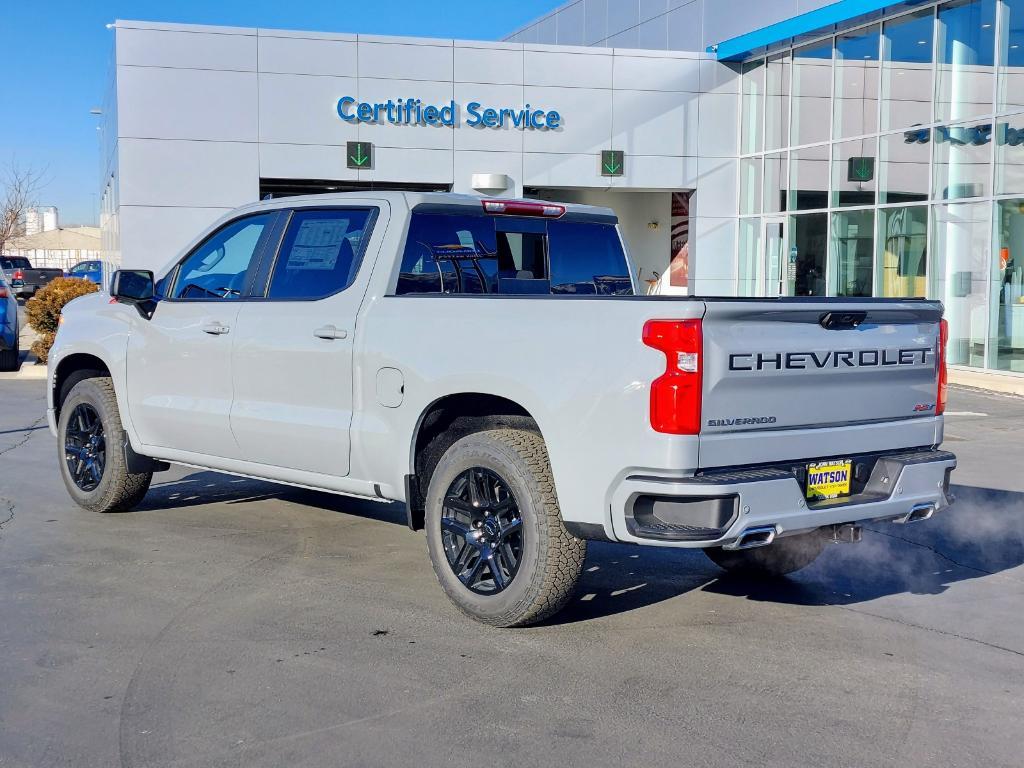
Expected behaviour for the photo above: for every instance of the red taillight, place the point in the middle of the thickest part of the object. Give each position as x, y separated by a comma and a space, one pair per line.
3, 292
676, 394
940, 362
522, 208
18, 275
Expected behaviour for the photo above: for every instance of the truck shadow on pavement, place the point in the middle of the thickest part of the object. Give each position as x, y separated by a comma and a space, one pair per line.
980, 536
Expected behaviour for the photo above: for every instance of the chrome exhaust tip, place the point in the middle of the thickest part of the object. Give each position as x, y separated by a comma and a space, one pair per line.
917, 513
751, 538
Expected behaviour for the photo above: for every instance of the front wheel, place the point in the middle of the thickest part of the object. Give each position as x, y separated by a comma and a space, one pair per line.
9, 357
91, 450
495, 533
784, 555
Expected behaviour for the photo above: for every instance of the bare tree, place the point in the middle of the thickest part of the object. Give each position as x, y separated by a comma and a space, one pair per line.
20, 186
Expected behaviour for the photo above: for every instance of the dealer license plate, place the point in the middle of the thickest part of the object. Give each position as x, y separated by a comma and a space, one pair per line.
828, 479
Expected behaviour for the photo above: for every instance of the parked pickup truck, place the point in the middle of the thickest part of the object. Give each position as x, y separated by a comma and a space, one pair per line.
488, 363
25, 280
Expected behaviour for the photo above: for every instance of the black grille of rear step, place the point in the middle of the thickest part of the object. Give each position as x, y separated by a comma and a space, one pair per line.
680, 518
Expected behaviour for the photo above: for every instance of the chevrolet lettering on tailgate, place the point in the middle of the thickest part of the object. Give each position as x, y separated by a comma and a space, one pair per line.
863, 358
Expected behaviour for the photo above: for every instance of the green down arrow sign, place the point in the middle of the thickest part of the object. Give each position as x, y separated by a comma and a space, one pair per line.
613, 162
359, 154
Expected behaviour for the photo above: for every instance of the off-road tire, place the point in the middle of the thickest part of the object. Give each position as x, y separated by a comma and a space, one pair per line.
118, 489
552, 558
784, 555
9, 358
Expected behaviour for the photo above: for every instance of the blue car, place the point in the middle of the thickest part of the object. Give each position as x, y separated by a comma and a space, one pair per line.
88, 270
8, 326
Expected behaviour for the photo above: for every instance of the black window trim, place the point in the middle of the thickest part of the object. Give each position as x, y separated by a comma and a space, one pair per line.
263, 278
250, 272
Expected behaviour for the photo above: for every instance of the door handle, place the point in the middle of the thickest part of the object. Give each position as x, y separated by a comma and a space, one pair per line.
215, 328
330, 332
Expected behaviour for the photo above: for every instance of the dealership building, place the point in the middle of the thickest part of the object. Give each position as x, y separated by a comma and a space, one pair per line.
794, 147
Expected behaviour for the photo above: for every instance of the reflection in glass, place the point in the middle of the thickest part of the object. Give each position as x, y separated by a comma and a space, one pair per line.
776, 114
853, 235
902, 245
1010, 156
753, 107
1011, 56
750, 185
856, 76
808, 182
776, 183
808, 235
853, 172
812, 89
1007, 338
750, 256
959, 275
907, 70
966, 54
903, 166
963, 155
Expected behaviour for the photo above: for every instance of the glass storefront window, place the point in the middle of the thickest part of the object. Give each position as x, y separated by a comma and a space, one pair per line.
776, 105
812, 93
907, 70
853, 173
808, 179
902, 247
776, 183
963, 155
856, 83
752, 79
1007, 335
966, 58
750, 185
853, 235
1010, 156
750, 256
808, 244
903, 166
959, 275
1011, 56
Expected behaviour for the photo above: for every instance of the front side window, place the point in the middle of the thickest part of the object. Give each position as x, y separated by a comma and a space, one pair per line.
320, 253
217, 269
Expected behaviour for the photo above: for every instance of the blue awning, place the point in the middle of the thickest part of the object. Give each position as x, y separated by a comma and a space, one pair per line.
838, 15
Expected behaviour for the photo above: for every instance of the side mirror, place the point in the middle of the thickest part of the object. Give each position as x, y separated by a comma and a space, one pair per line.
132, 286
136, 287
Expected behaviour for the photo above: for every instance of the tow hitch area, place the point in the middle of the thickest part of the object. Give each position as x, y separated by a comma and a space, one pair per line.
847, 533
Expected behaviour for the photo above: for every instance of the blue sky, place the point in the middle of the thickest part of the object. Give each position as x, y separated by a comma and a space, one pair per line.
56, 54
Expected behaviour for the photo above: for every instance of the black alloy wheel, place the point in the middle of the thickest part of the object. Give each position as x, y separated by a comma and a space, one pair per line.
482, 531
85, 447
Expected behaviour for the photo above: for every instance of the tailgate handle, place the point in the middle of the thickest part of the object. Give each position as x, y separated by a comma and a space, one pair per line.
839, 321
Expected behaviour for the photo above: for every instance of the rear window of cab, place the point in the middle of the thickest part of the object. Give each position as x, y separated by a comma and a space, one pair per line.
450, 253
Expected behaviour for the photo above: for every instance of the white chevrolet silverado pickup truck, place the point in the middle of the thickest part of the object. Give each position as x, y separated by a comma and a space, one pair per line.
487, 363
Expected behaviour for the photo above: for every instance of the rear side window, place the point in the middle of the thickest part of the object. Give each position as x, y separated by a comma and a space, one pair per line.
466, 254
320, 253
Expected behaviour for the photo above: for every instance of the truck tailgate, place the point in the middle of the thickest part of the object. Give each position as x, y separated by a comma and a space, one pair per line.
797, 378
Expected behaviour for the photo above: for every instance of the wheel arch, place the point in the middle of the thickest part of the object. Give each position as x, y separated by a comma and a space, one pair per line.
445, 421
72, 369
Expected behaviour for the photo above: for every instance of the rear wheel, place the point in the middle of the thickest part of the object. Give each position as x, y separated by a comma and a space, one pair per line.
495, 533
91, 450
784, 555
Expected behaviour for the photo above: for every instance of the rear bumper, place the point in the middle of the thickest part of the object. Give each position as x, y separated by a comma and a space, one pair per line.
715, 509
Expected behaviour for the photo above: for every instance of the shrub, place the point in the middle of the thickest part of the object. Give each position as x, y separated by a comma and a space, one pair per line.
43, 310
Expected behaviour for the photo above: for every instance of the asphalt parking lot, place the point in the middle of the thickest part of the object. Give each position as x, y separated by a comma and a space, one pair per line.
229, 622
